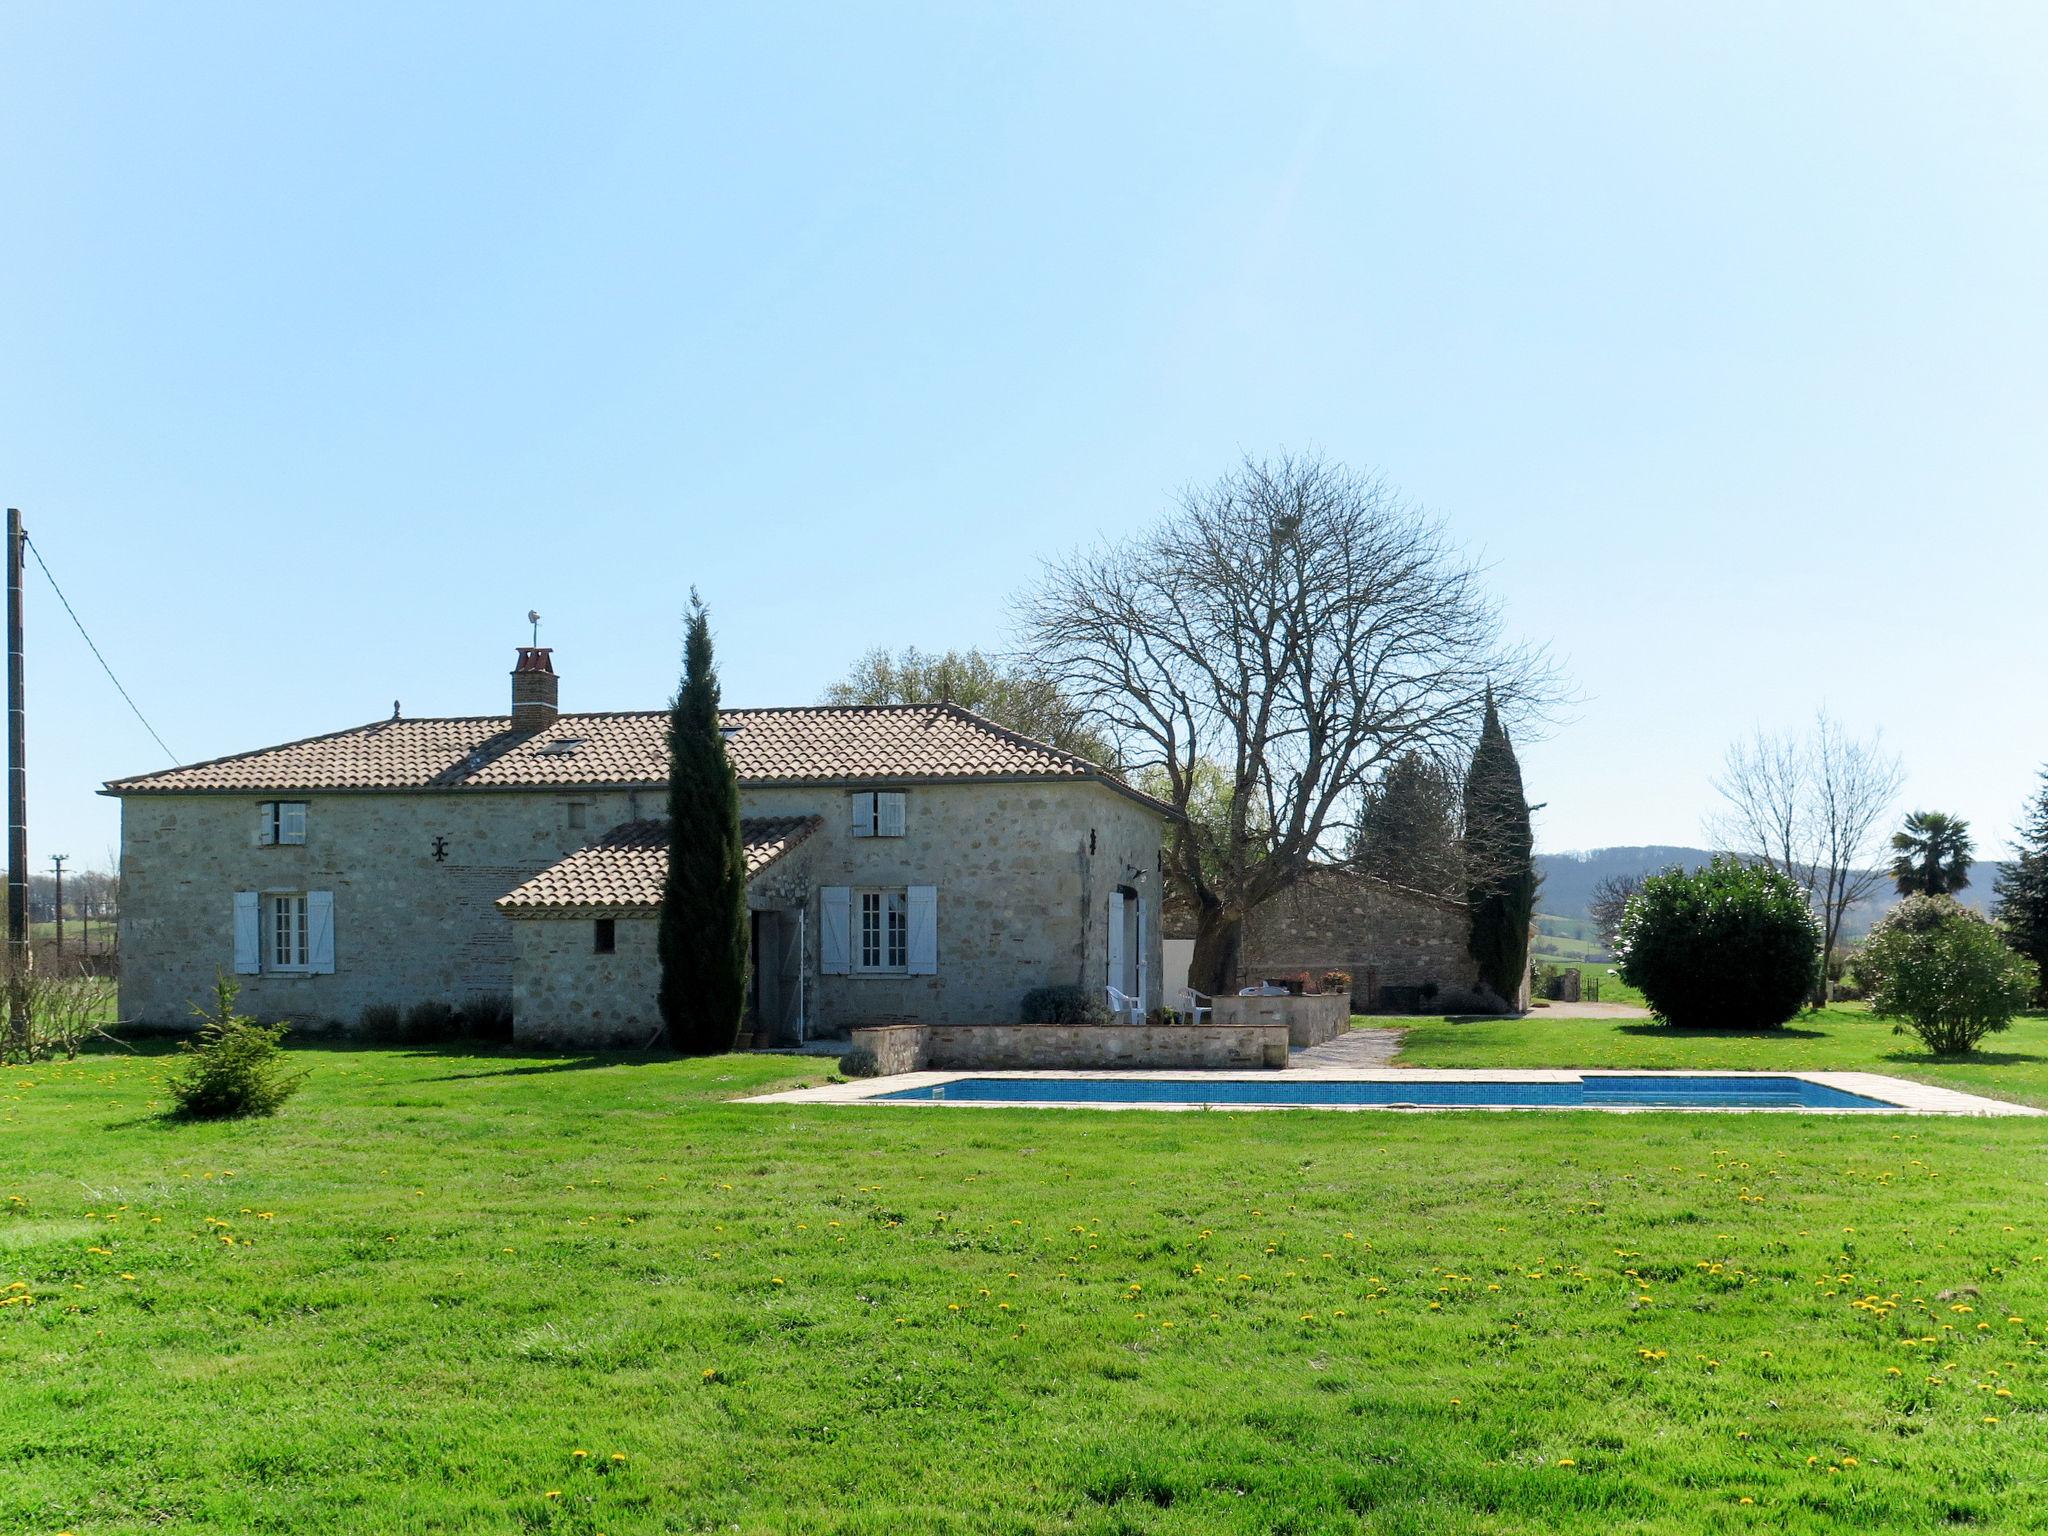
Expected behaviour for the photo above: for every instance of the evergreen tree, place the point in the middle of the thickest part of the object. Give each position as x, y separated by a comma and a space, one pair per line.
703, 936
1500, 865
2023, 888
1931, 857
1408, 827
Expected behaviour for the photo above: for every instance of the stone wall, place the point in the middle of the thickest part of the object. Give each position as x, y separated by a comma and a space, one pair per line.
1076, 1047
1382, 935
1308, 1020
567, 994
414, 878
1024, 874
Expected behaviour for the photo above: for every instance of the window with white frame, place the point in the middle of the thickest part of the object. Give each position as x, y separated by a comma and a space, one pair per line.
281, 821
287, 933
882, 938
878, 813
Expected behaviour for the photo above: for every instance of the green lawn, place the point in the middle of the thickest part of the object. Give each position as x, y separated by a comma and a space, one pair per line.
2012, 1065
407, 1304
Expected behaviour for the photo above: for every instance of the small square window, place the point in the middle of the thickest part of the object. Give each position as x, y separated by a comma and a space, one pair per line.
578, 812
605, 936
281, 821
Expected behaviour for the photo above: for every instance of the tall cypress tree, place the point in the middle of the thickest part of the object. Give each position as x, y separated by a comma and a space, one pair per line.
703, 937
2023, 888
1500, 862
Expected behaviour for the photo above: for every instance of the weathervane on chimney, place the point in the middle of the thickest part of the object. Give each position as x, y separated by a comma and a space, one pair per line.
533, 618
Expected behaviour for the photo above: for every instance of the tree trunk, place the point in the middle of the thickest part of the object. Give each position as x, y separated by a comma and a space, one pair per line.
1219, 935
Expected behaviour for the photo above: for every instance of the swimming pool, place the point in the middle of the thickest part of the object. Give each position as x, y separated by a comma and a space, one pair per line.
1591, 1090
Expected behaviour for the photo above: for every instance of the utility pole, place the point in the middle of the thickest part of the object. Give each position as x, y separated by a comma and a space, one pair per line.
17, 797
57, 863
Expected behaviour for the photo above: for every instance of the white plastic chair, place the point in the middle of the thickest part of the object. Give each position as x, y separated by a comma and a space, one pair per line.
1123, 1004
1195, 1008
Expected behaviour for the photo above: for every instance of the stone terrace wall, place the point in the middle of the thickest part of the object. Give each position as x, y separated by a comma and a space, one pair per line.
1383, 935
1032, 1047
1308, 1020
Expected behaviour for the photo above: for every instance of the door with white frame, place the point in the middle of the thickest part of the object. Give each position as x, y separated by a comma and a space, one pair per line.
1127, 977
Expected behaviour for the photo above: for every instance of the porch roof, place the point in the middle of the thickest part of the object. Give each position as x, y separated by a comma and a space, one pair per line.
625, 870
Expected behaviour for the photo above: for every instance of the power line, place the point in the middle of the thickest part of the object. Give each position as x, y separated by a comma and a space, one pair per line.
96, 656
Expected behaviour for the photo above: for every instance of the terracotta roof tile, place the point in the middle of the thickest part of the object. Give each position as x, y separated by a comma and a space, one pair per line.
908, 743
627, 867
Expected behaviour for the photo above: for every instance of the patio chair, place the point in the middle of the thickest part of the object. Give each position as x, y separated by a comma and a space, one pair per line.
1195, 1005
1123, 1005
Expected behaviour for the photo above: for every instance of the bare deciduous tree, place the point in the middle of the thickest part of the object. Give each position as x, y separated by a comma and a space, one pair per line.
1812, 807
1609, 901
1295, 627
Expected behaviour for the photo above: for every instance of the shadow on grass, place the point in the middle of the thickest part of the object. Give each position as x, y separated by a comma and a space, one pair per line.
1964, 1059
1657, 1031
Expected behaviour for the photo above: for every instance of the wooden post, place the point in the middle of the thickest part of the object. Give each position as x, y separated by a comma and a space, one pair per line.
17, 797
57, 863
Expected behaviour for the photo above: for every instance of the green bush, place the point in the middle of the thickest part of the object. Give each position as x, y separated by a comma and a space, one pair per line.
380, 1022
234, 1067
1064, 1005
430, 1022
1730, 946
488, 1019
859, 1062
1944, 973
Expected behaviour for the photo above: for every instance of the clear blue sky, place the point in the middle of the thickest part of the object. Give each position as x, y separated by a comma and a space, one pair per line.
333, 340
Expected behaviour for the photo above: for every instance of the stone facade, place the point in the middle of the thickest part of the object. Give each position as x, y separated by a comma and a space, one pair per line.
1024, 873
1383, 935
413, 876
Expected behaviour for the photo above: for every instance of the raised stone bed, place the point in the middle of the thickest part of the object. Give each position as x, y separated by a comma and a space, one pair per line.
1309, 1020
1026, 1047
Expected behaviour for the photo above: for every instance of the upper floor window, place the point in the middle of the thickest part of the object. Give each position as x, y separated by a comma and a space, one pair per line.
281, 821
878, 813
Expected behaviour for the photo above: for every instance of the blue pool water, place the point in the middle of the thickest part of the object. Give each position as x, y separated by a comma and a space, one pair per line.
1593, 1091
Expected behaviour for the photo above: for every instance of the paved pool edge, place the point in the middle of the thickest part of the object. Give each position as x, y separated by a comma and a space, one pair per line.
1895, 1095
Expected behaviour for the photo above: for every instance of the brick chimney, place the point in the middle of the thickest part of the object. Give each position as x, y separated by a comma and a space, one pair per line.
535, 690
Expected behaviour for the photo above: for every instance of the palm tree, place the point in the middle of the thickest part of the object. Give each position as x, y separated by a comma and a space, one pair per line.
1933, 855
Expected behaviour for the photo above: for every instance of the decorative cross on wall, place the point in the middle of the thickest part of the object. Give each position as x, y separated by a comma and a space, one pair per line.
440, 850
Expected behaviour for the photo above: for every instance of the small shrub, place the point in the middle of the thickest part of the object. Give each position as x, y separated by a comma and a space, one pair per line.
1944, 973
381, 1023
1730, 946
859, 1062
235, 1066
431, 1021
62, 1007
1336, 981
1064, 1005
488, 1018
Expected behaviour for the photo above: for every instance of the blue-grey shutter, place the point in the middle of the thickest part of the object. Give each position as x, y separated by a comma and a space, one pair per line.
889, 813
320, 932
835, 930
248, 934
922, 902
864, 813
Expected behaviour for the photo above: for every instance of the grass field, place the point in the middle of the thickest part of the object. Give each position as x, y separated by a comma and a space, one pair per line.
2012, 1065
487, 1293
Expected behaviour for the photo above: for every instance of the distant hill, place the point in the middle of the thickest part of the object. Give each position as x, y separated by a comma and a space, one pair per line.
1569, 878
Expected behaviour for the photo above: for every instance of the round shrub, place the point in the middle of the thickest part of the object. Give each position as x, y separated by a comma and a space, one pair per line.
1730, 946
1944, 973
859, 1062
1067, 1004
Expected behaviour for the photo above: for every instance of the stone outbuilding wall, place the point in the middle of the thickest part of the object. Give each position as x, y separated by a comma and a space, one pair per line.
1383, 935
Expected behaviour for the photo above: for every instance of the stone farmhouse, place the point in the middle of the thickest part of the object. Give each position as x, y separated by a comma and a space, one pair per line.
912, 863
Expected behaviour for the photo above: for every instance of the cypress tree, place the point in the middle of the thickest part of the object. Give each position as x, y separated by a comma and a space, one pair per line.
703, 936
1500, 860
2023, 888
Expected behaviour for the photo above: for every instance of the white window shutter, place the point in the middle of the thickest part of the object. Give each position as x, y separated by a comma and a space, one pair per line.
292, 822
835, 930
266, 824
1116, 940
248, 934
889, 813
922, 902
864, 814
320, 932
